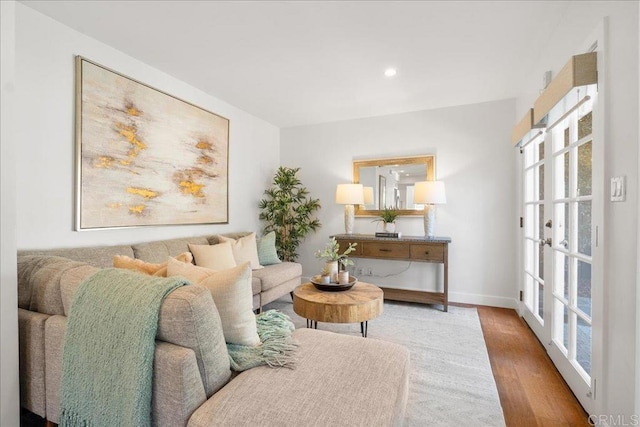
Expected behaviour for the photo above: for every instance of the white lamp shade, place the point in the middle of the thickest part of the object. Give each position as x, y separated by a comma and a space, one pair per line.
429, 192
349, 194
368, 195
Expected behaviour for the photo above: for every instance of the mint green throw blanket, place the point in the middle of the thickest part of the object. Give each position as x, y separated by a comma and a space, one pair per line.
109, 348
277, 348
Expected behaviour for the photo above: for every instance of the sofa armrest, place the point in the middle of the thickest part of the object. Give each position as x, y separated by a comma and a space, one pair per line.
32, 382
177, 387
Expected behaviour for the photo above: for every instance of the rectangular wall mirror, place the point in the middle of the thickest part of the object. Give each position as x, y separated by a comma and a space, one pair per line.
389, 183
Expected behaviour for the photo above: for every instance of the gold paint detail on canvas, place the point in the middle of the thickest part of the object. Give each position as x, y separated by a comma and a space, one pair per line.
144, 192
137, 210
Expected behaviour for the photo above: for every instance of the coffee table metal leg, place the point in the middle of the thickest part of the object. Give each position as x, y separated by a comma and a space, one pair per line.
364, 326
312, 324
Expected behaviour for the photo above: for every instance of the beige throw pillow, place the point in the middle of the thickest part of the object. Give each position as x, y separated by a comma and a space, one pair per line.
123, 261
231, 291
216, 257
244, 249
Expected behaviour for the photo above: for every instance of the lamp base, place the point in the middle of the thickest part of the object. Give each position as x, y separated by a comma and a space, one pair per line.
429, 219
349, 215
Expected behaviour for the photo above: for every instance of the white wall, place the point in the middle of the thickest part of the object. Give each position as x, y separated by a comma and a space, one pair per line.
9, 387
45, 51
616, 390
473, 158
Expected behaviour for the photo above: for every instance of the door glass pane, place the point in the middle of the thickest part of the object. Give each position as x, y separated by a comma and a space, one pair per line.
566, 138
584, 227
528, 291
541, 150
528, 221
540, 222
584, 169
541, 261
584, 287
561, 277
541, 300
530, 251
528, 185
584, 125
541, 182
566, 174
560, 328
561, 228
583, 345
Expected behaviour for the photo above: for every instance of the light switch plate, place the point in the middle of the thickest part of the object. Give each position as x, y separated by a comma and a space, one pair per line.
618, 189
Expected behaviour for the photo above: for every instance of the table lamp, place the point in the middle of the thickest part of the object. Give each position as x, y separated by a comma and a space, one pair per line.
349, 195
429, 193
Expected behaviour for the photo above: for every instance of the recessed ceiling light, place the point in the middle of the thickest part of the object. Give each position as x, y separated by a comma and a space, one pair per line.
390, 72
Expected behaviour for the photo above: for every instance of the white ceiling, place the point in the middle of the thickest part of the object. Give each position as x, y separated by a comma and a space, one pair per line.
298, 63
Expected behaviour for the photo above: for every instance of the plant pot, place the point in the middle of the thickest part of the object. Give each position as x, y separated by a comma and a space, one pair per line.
389, 227
331, 268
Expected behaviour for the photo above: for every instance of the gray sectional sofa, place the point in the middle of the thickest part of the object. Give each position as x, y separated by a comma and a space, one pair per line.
338, 380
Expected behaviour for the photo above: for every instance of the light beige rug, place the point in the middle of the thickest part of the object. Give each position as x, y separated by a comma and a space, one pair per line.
451, 382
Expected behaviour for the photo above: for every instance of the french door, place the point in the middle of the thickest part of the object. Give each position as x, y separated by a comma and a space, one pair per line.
561, 291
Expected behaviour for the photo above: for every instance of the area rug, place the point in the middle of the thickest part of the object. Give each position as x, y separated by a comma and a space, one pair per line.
451, 382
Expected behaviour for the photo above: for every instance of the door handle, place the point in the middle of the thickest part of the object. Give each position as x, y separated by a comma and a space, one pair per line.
565, 244
545, 241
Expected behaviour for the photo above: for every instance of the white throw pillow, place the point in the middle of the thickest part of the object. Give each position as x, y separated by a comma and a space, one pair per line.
216, 257
244, 249
231, 291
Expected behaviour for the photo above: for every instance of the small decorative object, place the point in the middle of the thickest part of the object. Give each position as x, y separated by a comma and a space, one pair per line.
388, 217
288, 210
331, 253
330, 269
349, 195
333, 287
325, 279
343, 277
429, 193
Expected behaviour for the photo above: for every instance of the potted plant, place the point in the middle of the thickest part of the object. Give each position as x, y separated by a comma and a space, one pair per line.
388, 217
334, 260
288, 210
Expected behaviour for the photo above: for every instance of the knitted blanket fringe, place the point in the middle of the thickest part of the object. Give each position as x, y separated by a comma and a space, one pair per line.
277, 349
109, 345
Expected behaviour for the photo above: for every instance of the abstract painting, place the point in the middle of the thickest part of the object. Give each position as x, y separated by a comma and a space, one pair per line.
145, 157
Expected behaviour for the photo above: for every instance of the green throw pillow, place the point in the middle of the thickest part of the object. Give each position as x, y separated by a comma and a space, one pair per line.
267, 253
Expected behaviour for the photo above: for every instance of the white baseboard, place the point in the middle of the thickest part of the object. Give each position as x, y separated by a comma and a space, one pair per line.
490, 300
465, 298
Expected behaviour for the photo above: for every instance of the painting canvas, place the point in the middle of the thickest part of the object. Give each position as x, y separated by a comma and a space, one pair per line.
145, 157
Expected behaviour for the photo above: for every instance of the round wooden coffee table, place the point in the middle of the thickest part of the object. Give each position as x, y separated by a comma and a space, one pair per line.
360, 304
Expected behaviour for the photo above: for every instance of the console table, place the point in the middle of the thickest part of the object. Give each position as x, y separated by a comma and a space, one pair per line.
409, 248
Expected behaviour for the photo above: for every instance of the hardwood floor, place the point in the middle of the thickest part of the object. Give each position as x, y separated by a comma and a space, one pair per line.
532, 392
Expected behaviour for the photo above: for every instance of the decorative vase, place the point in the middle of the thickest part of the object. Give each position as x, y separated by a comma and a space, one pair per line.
343, 277
325, 279
389, 227
331, 267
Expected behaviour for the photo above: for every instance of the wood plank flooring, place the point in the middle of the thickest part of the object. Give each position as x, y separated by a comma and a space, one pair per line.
532, 392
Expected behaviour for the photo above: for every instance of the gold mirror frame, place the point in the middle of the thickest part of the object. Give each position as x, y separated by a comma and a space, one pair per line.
428, 161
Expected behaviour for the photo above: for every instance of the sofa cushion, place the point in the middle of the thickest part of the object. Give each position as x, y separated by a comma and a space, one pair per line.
150, 268
231, 291
277, 274
244, 250
160, 250
189, 318
368, 386
39, 282
98, 256
215, 239
70, 281
215, 257
267, 252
